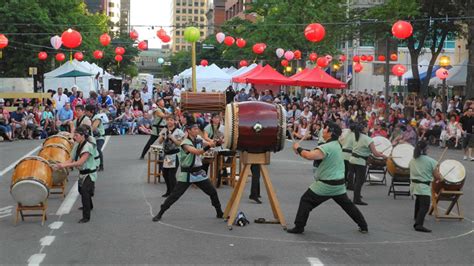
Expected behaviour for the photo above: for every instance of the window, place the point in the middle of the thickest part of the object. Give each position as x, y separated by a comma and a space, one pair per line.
196, 11
202, 19
190, 11
111, 4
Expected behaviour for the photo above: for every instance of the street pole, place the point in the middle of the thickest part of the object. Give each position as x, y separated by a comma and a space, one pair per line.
445, 96
387, 66
193, 60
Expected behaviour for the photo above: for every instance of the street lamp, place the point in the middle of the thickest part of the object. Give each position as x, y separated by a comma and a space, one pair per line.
288, 69
445, 61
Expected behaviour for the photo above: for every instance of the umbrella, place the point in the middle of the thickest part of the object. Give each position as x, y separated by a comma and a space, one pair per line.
74, 74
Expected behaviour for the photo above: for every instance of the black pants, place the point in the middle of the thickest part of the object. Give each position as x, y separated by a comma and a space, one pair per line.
422, 205
169, 174
100, 144
255, 187
150, 142
311, 200
348, 175
86, 189
360, 172
181, 187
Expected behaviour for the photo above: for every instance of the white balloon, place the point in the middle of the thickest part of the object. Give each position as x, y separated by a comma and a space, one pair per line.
280, 52
220, 37
56, 42
289, 55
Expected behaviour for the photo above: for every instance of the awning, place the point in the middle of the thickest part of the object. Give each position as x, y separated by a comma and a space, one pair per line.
243, 78
269, 76
318, 78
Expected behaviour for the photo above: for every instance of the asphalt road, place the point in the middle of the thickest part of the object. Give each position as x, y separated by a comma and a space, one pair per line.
121, 230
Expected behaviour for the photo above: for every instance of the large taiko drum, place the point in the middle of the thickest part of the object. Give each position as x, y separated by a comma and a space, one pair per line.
453, 173
55, 153
255, 127
203, 102
31, 181
398, 163
66, 134
382, 145
59, 140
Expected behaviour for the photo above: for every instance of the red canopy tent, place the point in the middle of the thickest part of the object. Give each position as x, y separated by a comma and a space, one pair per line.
318, 78
269, 76
304, 72
243, 78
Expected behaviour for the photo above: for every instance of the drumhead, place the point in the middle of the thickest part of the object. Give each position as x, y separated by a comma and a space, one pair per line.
452, 171
383, 145
345, 132
228, 125
29, 192
402, 155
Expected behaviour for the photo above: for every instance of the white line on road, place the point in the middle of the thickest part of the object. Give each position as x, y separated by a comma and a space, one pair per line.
4, 171
36, 259
6, 208
56, 225
315, 261
47, 240
5, 215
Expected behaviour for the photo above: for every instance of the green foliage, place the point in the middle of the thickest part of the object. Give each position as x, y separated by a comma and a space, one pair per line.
31, 24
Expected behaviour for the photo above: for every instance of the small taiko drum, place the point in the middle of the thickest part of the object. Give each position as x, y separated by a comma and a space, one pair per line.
59, 140
31, 181
158, 149
382, 145
55, 153
255, 127
398, 163
66, 134
203, 102
453, 173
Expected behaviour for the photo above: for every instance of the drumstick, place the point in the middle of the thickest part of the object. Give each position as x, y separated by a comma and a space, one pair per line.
306, 134
442, 154
291, 135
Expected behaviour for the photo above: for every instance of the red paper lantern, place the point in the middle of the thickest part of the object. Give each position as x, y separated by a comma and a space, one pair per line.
42, 55
398, 70
314, 32
229, 40
133, 35
442, 73
342, 58
3, 41
394, 57
241, 43
297, 54
119, 50
402, 29
60, 57
356, 58
313, 57
118, 58
161, 33
166, 39
284, 62
104, 39
358, 67
143, 45
322, 62
98, 54
204, 62
381, 58
370, 58
71, 39
78, 56
259, 48
243, 63
363, 57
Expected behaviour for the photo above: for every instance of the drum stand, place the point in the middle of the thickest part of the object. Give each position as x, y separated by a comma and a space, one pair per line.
262, 159
450, 196
156, 174
41, 207
61, 187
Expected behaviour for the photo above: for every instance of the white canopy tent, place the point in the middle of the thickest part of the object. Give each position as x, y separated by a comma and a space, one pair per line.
211, 77
457, 76
230, 70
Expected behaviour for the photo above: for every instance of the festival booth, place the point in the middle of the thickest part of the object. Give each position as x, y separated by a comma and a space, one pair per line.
316, 77
210, 77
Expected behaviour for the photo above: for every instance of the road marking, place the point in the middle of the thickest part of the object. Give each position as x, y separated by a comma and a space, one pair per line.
56, 225
47, 240
6, 211
314, 261
4, 171
36, 259
6, 208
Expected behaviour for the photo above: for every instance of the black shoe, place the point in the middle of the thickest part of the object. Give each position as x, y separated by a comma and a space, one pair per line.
421, 228
359, 202
141, 158
83, 221
258, 201
165, 195
295, 230
219, 214
157, 218
363, 230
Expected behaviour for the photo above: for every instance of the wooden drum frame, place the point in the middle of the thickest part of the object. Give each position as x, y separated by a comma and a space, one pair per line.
255, 127
31, 181
203, 102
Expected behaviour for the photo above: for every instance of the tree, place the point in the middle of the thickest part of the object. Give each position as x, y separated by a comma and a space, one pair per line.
428, 33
